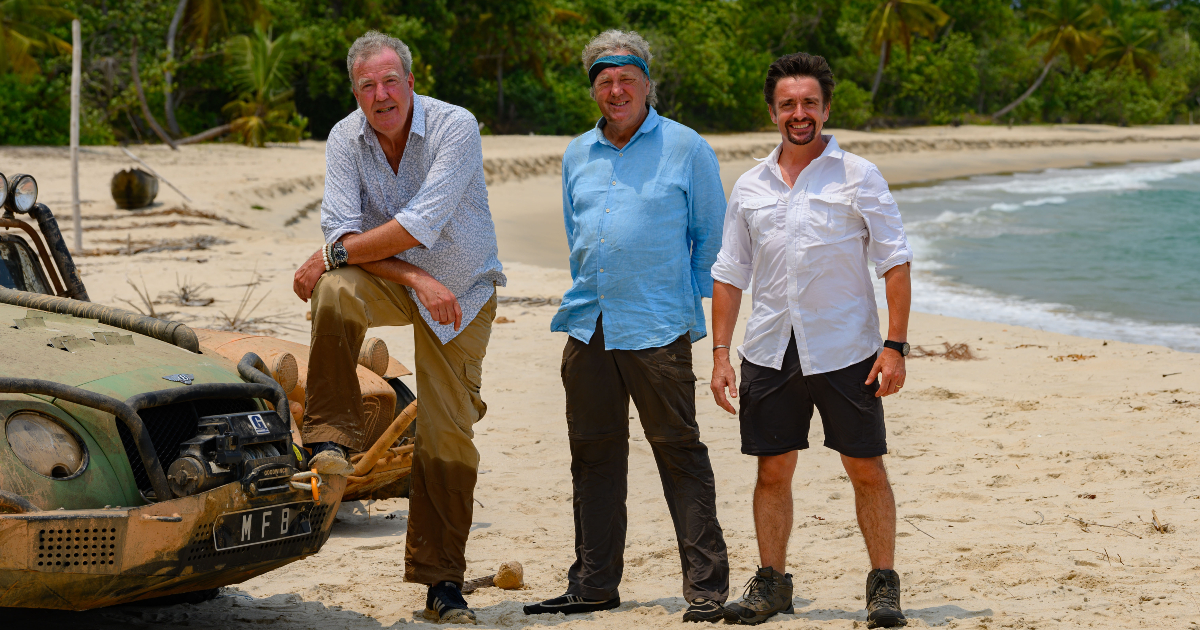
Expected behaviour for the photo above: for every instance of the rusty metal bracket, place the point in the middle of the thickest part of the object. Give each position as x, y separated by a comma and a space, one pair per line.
47, 262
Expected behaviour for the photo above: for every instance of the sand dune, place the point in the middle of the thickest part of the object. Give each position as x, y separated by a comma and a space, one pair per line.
1026, 479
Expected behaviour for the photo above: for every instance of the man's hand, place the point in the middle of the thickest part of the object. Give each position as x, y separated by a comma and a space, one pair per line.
723, 378
889, 365
308, 274
440, 301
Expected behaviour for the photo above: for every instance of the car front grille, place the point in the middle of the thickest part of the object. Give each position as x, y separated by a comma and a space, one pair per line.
169, 427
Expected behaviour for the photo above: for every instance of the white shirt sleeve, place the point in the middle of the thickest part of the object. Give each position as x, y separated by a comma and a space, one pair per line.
734, 264
888, 245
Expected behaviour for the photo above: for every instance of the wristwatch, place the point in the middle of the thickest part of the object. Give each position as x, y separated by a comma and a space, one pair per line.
899, 346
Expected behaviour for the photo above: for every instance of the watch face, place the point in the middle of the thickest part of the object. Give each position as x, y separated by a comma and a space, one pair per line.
904, 352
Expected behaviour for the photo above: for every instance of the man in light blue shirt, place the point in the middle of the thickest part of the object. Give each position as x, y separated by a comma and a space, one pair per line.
643, 206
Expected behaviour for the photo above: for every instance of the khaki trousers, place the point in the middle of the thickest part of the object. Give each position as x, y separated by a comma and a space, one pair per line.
345, 303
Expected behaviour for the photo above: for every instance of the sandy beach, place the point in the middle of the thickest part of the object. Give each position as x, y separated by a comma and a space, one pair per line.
1027, 479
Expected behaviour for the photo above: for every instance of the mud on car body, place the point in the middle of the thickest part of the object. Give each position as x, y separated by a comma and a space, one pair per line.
132, 465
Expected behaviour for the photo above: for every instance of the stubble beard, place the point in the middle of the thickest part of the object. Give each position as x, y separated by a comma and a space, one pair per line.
803, 140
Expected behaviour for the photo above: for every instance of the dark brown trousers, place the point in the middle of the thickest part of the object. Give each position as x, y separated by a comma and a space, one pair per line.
599, 384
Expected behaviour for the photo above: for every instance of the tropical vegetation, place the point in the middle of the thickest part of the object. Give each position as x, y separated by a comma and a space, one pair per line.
259, 71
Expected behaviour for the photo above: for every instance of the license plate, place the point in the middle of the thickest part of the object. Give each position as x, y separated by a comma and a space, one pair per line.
262, 525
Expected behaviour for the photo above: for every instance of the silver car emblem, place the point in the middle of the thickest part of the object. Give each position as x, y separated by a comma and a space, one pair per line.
186, 379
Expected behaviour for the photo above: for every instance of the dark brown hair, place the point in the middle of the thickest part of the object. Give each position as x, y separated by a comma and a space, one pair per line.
799, 65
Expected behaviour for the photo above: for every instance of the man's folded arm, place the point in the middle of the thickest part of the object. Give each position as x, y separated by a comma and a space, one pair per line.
420, 222
458, 155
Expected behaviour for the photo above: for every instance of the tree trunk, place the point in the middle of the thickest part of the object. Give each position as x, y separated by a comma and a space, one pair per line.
499, 86
883, 56
137, 84
1027, 94
169, 101
206, 135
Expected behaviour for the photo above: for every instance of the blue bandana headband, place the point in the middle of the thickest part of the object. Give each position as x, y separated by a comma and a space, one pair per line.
615, 61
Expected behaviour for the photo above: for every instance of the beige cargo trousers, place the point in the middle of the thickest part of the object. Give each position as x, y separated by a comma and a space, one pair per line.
345, 303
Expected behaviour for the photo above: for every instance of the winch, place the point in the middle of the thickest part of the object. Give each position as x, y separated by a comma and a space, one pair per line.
252, 447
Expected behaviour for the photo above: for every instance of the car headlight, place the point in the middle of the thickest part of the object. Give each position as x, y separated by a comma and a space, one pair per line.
3, 189
45, 446
22, 193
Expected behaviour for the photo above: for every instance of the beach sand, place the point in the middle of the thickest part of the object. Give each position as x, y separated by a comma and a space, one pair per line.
1026, 479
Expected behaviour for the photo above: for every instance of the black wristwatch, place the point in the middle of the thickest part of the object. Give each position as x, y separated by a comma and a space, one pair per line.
899, 346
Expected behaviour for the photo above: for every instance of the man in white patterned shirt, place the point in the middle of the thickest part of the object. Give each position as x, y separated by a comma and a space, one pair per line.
410, 242
800, 228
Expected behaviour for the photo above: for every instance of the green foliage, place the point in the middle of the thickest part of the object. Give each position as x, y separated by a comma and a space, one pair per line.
22, 33
1068, 29
895, 21
31, 112
515, 63
936, 81
851, 108
262, 69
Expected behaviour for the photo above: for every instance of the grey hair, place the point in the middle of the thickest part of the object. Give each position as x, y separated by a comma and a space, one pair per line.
611, 41
372, 43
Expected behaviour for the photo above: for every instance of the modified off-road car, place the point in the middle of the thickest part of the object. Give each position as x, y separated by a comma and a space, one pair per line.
141, 460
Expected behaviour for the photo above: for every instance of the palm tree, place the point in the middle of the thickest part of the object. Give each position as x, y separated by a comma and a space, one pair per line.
202, 18
262, 69
19, 38
1068, 28
896, 21
1125, 46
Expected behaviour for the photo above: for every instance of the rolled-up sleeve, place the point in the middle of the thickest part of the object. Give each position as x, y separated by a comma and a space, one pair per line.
459, 151
734, 264
341, 206
888, 246
706, 199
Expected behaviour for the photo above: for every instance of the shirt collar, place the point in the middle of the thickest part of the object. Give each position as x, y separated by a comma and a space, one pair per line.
832, 151
648, 125
418, 119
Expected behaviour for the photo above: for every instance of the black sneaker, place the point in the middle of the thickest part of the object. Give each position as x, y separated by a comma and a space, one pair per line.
445, 604
767, 593
571, 604
703, 609
883, 600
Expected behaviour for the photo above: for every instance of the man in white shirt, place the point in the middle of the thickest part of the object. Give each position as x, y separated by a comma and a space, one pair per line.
800, 228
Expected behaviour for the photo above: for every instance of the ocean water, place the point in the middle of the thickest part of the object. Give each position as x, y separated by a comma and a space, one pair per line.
1106, 252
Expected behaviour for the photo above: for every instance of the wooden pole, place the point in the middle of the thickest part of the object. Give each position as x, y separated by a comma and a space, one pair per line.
76, 79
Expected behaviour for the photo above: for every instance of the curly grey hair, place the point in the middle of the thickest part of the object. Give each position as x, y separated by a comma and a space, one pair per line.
614, 41
370, 44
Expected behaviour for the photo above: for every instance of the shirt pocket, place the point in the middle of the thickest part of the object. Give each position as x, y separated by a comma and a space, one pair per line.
831, 217
764, 215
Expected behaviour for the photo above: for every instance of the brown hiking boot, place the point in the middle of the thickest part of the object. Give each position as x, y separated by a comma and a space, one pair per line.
767, 593
883, 600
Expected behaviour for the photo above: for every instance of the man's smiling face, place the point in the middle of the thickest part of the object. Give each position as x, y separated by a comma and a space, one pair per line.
800, 111
621, 93
384, 91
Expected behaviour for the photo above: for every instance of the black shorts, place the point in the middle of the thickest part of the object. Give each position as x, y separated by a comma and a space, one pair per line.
777, 407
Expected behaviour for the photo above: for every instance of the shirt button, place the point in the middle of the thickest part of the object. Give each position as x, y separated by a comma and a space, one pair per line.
606, 210
601, 271
621, 154
614, 183
601, 297
601, 240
